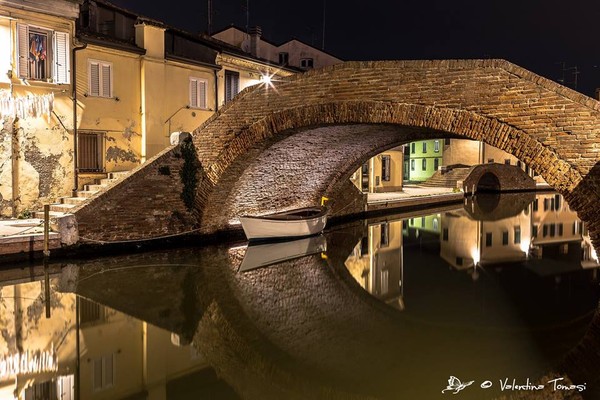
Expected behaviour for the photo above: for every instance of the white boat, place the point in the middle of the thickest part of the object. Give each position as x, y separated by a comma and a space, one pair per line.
265, 254
294, 223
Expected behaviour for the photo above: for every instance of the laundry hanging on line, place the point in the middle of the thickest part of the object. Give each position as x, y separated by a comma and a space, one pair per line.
31, 106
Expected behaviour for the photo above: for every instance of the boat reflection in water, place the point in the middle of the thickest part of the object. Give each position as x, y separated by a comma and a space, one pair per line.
185, 323
264, 254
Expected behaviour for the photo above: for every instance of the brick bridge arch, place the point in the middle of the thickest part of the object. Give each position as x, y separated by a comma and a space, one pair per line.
245, 167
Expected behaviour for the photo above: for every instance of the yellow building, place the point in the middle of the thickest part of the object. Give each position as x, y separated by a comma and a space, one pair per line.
36, 118
382, 173
136, 81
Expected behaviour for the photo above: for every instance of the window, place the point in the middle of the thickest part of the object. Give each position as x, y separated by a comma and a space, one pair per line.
519, 164
517, 232
445, 234
424, 147
507, 161
488, 239
284, 58
447, 142
412, 148
535, 205
90, 150
436, 163
436, 224
504, 238
385, 235
534, 232
385, 281
560, 229
386, 168
490, 160
43, 54
557, 202
103, 372
306, 63
412, 165
198, 92
424, 166
232, 85
436, 146
100, 79
459, 261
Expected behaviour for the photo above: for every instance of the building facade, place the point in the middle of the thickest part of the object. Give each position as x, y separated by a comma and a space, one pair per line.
93, 88
422, 159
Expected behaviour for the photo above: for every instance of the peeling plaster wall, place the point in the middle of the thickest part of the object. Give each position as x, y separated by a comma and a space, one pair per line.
6, 203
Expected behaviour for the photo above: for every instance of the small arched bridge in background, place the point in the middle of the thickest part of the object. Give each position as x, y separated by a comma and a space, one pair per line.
285, 145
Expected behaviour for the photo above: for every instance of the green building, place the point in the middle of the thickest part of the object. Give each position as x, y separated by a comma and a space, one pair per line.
422, 159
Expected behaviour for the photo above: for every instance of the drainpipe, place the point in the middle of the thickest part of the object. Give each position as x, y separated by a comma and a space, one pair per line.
74, 82
216, 90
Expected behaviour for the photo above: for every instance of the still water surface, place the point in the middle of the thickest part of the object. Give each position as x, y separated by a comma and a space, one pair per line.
384, 308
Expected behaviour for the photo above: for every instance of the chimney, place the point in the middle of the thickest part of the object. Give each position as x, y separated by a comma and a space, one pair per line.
255, 33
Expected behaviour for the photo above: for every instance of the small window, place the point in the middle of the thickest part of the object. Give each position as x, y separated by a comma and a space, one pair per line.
103, 372
424, 162
436, 164
198, 93
232, 85
488, 239
545, 230
535, 205
306, 63
386, 168
412, 165
436, 146
459, 261
557, 198
284, 58
436, 224
560, 229
445, 234
552, 230
412, 148
517, 232
100, 79
534, 231
507, 161
385, 235
447, 142
519, 164
490, 160
504, 238
424, 147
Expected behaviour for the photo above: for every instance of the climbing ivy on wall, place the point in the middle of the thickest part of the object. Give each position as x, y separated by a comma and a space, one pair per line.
189, 173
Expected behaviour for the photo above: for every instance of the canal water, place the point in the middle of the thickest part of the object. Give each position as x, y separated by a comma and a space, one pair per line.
471, 299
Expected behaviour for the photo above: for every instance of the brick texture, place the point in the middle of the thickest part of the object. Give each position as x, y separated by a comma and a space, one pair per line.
547, 126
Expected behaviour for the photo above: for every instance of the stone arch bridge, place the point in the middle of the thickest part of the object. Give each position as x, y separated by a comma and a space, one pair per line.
286, 144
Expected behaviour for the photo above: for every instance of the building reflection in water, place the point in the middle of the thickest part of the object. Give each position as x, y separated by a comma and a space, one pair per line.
118, 356
543, 233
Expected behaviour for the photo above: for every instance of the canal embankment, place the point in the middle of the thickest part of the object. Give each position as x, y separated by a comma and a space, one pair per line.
23, 239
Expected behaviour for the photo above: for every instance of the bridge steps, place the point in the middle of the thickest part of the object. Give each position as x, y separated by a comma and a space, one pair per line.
448, 179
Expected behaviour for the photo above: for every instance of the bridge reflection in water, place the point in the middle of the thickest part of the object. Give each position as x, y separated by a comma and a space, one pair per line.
481, 296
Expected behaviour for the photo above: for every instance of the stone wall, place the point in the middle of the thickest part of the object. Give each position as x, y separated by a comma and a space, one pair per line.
156, 200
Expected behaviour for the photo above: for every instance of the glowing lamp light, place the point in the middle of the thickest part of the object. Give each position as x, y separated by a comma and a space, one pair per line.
266, 79
475, 256
525, 243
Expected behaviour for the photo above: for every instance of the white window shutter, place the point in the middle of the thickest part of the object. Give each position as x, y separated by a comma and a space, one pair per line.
94, 79
106, 80
23, 50
202, 94
61, 57
193, 93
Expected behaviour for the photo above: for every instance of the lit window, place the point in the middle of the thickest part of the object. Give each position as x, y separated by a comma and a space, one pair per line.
198, 92
436, 146
100, 82
43, 54
424, 147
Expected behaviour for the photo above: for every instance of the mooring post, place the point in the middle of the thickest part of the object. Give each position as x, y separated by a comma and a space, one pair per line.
46, 255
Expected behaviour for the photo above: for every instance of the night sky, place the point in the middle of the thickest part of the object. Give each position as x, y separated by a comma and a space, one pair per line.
542, 36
